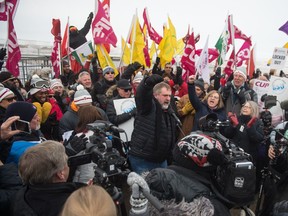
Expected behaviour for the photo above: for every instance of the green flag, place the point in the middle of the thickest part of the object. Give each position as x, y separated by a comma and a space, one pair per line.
82, 52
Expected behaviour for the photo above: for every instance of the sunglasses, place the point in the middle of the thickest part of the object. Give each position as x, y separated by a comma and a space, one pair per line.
126, 90
110, 73
40, 84
10, 99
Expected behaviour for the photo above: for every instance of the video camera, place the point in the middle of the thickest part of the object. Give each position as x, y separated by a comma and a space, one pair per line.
235, 175
100, 150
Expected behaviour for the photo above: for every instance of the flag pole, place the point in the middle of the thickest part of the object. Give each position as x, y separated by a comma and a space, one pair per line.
129, 33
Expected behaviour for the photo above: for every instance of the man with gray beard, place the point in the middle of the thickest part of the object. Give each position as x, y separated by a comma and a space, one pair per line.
154, 133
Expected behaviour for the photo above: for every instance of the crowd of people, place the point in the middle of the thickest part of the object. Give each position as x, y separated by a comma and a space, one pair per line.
44, 122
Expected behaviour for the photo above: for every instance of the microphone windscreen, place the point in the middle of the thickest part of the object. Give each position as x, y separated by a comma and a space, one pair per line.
216, 157
284, 105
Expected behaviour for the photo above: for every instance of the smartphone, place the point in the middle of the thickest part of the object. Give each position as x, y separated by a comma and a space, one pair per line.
21, 125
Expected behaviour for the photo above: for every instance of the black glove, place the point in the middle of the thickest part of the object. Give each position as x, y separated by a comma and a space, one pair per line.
241, 96
157, 61
153, 80
218, 72
75, 144
133, 112
90, 16
227, 89
2, 53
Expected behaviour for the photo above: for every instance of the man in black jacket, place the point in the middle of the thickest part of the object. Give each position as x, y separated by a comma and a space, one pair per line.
154, 133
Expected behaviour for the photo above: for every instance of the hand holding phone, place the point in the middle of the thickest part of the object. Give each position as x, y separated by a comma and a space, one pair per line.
21, 125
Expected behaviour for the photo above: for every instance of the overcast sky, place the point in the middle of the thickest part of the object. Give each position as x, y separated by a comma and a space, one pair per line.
260, 19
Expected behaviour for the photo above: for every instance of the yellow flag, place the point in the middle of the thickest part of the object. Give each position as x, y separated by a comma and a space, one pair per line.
104, 58
180, 47
152, 50
166, 50
173, 34
126, 52
137, 44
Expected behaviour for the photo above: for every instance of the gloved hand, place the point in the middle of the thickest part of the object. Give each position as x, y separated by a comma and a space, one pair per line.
75, 144
153, 80
2, 53
133, 112
187, 108
157, 61
251, 122
218, 72
90, 16
241, 96
227, 89
233, 119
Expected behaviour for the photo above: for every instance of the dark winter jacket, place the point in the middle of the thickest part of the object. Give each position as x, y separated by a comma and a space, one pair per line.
202, 109
43, 200
77, 38
67, 79
10, 183
232, 99
113, 117
154, 134
99, 92
178, 182
246, 138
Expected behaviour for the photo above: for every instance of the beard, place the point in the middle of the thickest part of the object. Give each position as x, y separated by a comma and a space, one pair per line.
165, 106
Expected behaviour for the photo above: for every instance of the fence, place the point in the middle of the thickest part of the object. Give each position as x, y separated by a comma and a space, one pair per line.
29, 64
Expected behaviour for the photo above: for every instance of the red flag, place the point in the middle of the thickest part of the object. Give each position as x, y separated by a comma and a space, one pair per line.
14, 54
213, 54
151, 31
65, 41
146, 49
243, 53
106, 7
251, 64
188, 58
230, 64
5, 6
55, 59
102, 31
56, 30
240, 35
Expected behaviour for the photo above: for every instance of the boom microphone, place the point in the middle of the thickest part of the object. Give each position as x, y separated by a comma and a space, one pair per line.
284, 105
171, 112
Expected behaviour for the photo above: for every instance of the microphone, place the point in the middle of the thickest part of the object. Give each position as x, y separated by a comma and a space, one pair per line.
284, 105
171, 112
114, 128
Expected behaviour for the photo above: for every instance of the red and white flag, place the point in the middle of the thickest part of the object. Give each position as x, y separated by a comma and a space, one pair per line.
188, 58
213, 53
14, 54
65, 42
106, 7
8, 5
151, 31
55, 51
102, 31
244, 53
230, 64
55, 59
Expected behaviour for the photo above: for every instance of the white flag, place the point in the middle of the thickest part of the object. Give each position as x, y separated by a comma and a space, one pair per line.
202, 65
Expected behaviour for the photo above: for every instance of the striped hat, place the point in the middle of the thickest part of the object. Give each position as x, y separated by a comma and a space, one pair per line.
82, 96
4, 92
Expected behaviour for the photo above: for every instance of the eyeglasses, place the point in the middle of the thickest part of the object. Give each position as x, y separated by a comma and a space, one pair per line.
110, 73
10, 99
126, 90
248, 107
40, 84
